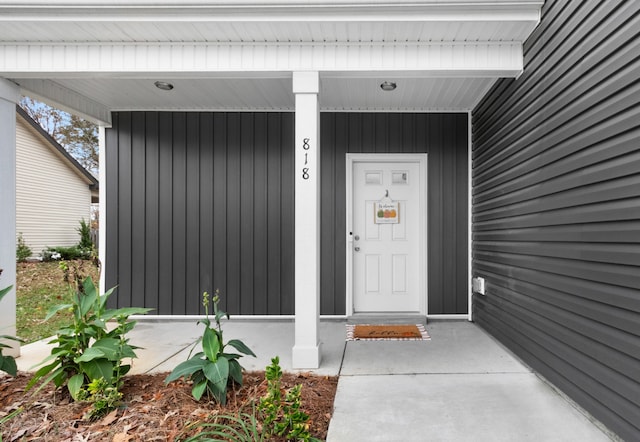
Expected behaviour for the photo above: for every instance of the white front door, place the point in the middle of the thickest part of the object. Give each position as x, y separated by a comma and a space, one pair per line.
387, 235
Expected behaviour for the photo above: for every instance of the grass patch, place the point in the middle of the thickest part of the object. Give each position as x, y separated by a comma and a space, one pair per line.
41, 285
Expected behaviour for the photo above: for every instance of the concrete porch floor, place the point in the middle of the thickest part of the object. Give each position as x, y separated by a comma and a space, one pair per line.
461, 385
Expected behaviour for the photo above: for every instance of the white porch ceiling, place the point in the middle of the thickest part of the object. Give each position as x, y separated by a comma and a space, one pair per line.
275, 94
96, 56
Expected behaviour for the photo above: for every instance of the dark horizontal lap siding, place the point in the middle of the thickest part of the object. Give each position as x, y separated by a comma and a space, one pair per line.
445, 138
199, 201
556, 207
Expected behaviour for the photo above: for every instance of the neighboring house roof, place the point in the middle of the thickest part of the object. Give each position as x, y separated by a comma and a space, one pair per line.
68, 159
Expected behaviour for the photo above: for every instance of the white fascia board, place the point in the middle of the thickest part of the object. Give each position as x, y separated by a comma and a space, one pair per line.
246, 4
67, 100
281, 10
190, 60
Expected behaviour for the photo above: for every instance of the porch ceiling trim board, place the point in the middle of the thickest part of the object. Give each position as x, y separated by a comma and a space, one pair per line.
501, 59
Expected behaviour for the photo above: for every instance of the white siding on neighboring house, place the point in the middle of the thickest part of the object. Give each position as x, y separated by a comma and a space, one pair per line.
51, 196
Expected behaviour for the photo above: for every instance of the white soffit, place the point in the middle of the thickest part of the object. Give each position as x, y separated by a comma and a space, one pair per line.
275, 94
359, 31
411, 94
97, 56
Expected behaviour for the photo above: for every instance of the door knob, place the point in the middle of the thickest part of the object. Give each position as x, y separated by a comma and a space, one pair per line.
357, 249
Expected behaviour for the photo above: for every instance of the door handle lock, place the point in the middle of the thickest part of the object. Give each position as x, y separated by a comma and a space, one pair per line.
357, 249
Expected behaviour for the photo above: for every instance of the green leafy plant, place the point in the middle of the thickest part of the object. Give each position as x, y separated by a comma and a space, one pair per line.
243, 427
85, 236
281, 413
65, 253
103, 395
212, 370
86, 350
23, 252
7, 363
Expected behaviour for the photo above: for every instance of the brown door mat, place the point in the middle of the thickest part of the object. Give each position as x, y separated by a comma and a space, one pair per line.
387, 331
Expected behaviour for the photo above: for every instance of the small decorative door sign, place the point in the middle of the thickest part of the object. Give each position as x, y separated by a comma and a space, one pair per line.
386, 211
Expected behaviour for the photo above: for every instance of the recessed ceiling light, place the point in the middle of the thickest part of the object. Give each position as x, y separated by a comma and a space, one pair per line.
163, 85
388, 86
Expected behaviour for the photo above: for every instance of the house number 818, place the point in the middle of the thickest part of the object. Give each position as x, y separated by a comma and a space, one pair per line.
305, 170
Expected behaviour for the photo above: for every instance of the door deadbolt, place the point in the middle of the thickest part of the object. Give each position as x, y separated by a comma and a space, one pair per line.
357, 237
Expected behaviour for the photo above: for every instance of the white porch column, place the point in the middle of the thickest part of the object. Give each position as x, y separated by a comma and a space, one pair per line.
306, 351
9, 96
102, 206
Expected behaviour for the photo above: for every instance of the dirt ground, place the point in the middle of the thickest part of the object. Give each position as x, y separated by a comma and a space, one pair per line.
151, 411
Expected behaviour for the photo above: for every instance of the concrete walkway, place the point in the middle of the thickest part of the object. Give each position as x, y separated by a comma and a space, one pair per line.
459, 386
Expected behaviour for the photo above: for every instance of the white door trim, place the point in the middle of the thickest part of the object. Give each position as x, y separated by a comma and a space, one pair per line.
469, 217
422, 160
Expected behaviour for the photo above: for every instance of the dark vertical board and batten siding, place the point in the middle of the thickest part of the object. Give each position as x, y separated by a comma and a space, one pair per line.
151, 212
165, 215
189, 210
199, 201
556, 207
444, 137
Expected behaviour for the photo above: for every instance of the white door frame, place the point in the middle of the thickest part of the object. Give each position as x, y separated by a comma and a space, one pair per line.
422, 160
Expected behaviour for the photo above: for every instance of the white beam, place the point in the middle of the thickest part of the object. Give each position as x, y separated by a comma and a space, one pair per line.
102, 206
442, 59
470, 215
306, 351
64, 98
9, 96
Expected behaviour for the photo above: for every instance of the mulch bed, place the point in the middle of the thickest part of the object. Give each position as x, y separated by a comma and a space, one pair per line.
151, 410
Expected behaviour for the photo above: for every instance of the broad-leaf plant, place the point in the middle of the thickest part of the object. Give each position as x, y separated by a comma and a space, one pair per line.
88, 354
213, 369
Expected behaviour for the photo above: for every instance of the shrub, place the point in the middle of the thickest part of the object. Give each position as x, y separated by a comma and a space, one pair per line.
67, 253
88, 357
50, 255
85, 236
212, 370
282, 416
22, 250
83, 250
